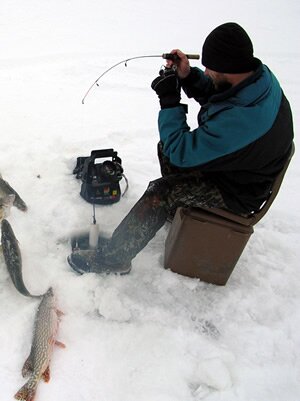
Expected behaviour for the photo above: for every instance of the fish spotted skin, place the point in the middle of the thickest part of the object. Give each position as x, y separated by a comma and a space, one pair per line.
44, 337
12, 257
6, 189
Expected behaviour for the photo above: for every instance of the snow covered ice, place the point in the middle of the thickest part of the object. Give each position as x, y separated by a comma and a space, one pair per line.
151, 335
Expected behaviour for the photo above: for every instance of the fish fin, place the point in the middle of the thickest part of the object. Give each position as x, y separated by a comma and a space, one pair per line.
25, 394
60, 344
20, 204
27, 367
18, 201
46, 375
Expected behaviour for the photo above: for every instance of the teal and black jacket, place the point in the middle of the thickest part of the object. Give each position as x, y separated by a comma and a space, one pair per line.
243, 138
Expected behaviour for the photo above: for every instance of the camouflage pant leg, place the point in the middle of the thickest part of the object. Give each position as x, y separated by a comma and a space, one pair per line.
149, 214
191, 190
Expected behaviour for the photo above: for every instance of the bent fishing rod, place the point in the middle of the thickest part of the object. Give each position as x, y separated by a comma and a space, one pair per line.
166, 56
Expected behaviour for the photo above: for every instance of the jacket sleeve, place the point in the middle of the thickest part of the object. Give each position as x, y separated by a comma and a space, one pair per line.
184, 147
198, 86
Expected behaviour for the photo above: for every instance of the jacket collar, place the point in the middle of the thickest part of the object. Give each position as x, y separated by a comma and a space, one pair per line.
218, 97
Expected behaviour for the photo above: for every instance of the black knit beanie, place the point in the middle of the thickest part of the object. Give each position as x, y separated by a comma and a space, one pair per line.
228, 49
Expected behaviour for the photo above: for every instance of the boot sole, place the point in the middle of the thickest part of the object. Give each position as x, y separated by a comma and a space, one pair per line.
81, 271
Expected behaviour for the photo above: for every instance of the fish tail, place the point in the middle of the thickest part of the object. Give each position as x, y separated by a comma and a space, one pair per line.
19, 203
25, 393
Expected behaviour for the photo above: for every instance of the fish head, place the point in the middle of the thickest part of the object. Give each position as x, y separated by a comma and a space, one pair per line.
49, 296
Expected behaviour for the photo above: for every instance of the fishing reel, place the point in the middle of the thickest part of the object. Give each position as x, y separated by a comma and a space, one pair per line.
168, 71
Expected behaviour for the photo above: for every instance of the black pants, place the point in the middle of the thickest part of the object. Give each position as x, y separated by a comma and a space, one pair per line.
176, 187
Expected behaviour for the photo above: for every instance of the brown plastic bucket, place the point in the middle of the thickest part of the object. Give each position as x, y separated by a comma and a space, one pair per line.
203, 245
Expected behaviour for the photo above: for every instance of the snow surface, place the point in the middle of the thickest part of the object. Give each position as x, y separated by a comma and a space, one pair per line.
152, 335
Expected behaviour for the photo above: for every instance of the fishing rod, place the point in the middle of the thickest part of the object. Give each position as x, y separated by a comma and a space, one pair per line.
166, 56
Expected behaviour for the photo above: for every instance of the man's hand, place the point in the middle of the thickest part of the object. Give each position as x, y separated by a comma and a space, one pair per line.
182, 64
167, 88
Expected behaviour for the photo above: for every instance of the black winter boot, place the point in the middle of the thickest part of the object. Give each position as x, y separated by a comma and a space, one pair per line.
92, 261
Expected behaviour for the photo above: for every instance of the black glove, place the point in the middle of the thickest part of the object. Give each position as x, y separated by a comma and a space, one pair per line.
167, 88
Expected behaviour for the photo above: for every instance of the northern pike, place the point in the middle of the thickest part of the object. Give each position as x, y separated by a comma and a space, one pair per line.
6, 189
44, 338
13, 257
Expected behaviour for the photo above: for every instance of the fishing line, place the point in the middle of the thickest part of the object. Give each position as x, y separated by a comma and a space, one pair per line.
94, 231
166, 56
94, 214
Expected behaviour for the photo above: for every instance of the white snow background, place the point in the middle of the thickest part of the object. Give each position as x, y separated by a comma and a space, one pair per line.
151, 335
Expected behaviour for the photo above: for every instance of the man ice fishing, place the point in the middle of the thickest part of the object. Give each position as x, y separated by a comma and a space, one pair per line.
229, 161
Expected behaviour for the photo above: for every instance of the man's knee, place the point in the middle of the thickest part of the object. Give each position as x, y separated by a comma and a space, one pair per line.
157, 187
156, 193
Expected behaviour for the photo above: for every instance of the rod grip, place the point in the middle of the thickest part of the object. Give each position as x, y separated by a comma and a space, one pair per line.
174, 57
